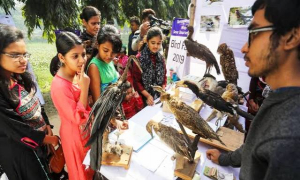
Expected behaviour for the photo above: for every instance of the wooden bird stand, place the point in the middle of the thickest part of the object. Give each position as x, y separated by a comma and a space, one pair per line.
184, 169
112, 159
232, 139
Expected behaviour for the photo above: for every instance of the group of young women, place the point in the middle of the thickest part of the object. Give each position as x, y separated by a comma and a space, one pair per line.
23, 132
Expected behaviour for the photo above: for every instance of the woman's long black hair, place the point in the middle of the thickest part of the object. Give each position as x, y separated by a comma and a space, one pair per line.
64, 43
9, 35
88, 12
107, 33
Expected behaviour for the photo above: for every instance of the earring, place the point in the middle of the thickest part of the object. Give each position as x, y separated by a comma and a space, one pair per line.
61, 64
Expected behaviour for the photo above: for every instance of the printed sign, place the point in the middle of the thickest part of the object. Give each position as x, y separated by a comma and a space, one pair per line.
177, 60
7, 19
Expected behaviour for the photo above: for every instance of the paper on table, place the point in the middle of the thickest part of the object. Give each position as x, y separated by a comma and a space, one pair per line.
136, 136
166, 169
151, 157
161, 145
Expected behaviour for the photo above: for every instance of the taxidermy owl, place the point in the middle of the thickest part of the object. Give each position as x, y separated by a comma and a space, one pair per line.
227, 62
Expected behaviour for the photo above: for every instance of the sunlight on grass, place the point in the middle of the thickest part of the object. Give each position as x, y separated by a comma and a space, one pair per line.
41, 55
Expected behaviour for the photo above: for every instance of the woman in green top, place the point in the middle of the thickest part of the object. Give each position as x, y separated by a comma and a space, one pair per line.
101, 68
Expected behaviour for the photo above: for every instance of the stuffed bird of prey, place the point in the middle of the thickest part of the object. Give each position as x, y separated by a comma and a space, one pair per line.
103, 111
213, 99
201, 52
227, 62
171, 137
188, 116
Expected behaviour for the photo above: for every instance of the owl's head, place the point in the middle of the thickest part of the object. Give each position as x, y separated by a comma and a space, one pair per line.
231, 88
222, 48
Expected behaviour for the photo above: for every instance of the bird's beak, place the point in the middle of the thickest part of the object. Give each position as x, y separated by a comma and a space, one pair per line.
158, 89
180, 84
149, 128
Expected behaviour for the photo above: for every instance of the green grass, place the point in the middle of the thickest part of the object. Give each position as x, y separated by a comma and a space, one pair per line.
41, 55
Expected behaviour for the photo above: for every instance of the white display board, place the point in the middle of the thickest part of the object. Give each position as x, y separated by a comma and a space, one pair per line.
177, 59
7, 19
235, 38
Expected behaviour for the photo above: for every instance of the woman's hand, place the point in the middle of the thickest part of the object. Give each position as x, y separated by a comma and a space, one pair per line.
150, 101
83, 79
122, 125
51, 140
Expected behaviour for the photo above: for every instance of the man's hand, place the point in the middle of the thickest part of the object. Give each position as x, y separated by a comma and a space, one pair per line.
144, 29
253, 107
213, 155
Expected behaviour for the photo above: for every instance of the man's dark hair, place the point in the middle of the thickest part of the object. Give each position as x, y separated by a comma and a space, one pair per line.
135, 19
147, 12
283, 14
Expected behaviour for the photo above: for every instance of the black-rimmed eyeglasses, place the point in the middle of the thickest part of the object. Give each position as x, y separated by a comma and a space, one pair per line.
254, 32
18, 57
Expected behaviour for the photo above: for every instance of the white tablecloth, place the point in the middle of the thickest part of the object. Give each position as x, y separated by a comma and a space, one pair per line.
153, 161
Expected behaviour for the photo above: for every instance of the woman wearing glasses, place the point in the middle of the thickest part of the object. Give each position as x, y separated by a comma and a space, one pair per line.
23, 131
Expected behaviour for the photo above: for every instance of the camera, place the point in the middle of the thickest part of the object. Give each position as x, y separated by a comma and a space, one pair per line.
165, 26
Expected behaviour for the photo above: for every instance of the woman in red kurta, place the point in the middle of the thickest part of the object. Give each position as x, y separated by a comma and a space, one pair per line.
69, 92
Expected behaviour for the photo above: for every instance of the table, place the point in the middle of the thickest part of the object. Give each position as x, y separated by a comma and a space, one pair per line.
153, 161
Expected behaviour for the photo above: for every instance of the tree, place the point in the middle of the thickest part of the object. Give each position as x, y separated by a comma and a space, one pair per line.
7, 5
165, 9
50, 15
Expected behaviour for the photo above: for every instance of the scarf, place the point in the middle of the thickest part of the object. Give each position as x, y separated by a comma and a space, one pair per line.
152, 75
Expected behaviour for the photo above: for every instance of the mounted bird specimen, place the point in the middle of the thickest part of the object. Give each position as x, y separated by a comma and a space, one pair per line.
208, 97
103, 111
231, 96
213, 99
227, 62
201, 52
233, 121
209, 82
171, 137
188, 116
114, 148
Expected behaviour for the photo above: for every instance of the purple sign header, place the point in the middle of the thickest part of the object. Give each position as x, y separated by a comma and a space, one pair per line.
179, 27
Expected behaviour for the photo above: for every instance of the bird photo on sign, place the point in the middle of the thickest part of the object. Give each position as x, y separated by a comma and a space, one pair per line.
240, 17
212, 2
210, 23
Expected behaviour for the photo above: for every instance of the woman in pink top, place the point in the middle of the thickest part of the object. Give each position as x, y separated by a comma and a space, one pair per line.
69, 93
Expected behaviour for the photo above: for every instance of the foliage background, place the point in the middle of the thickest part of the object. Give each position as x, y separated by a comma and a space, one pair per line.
39, 18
